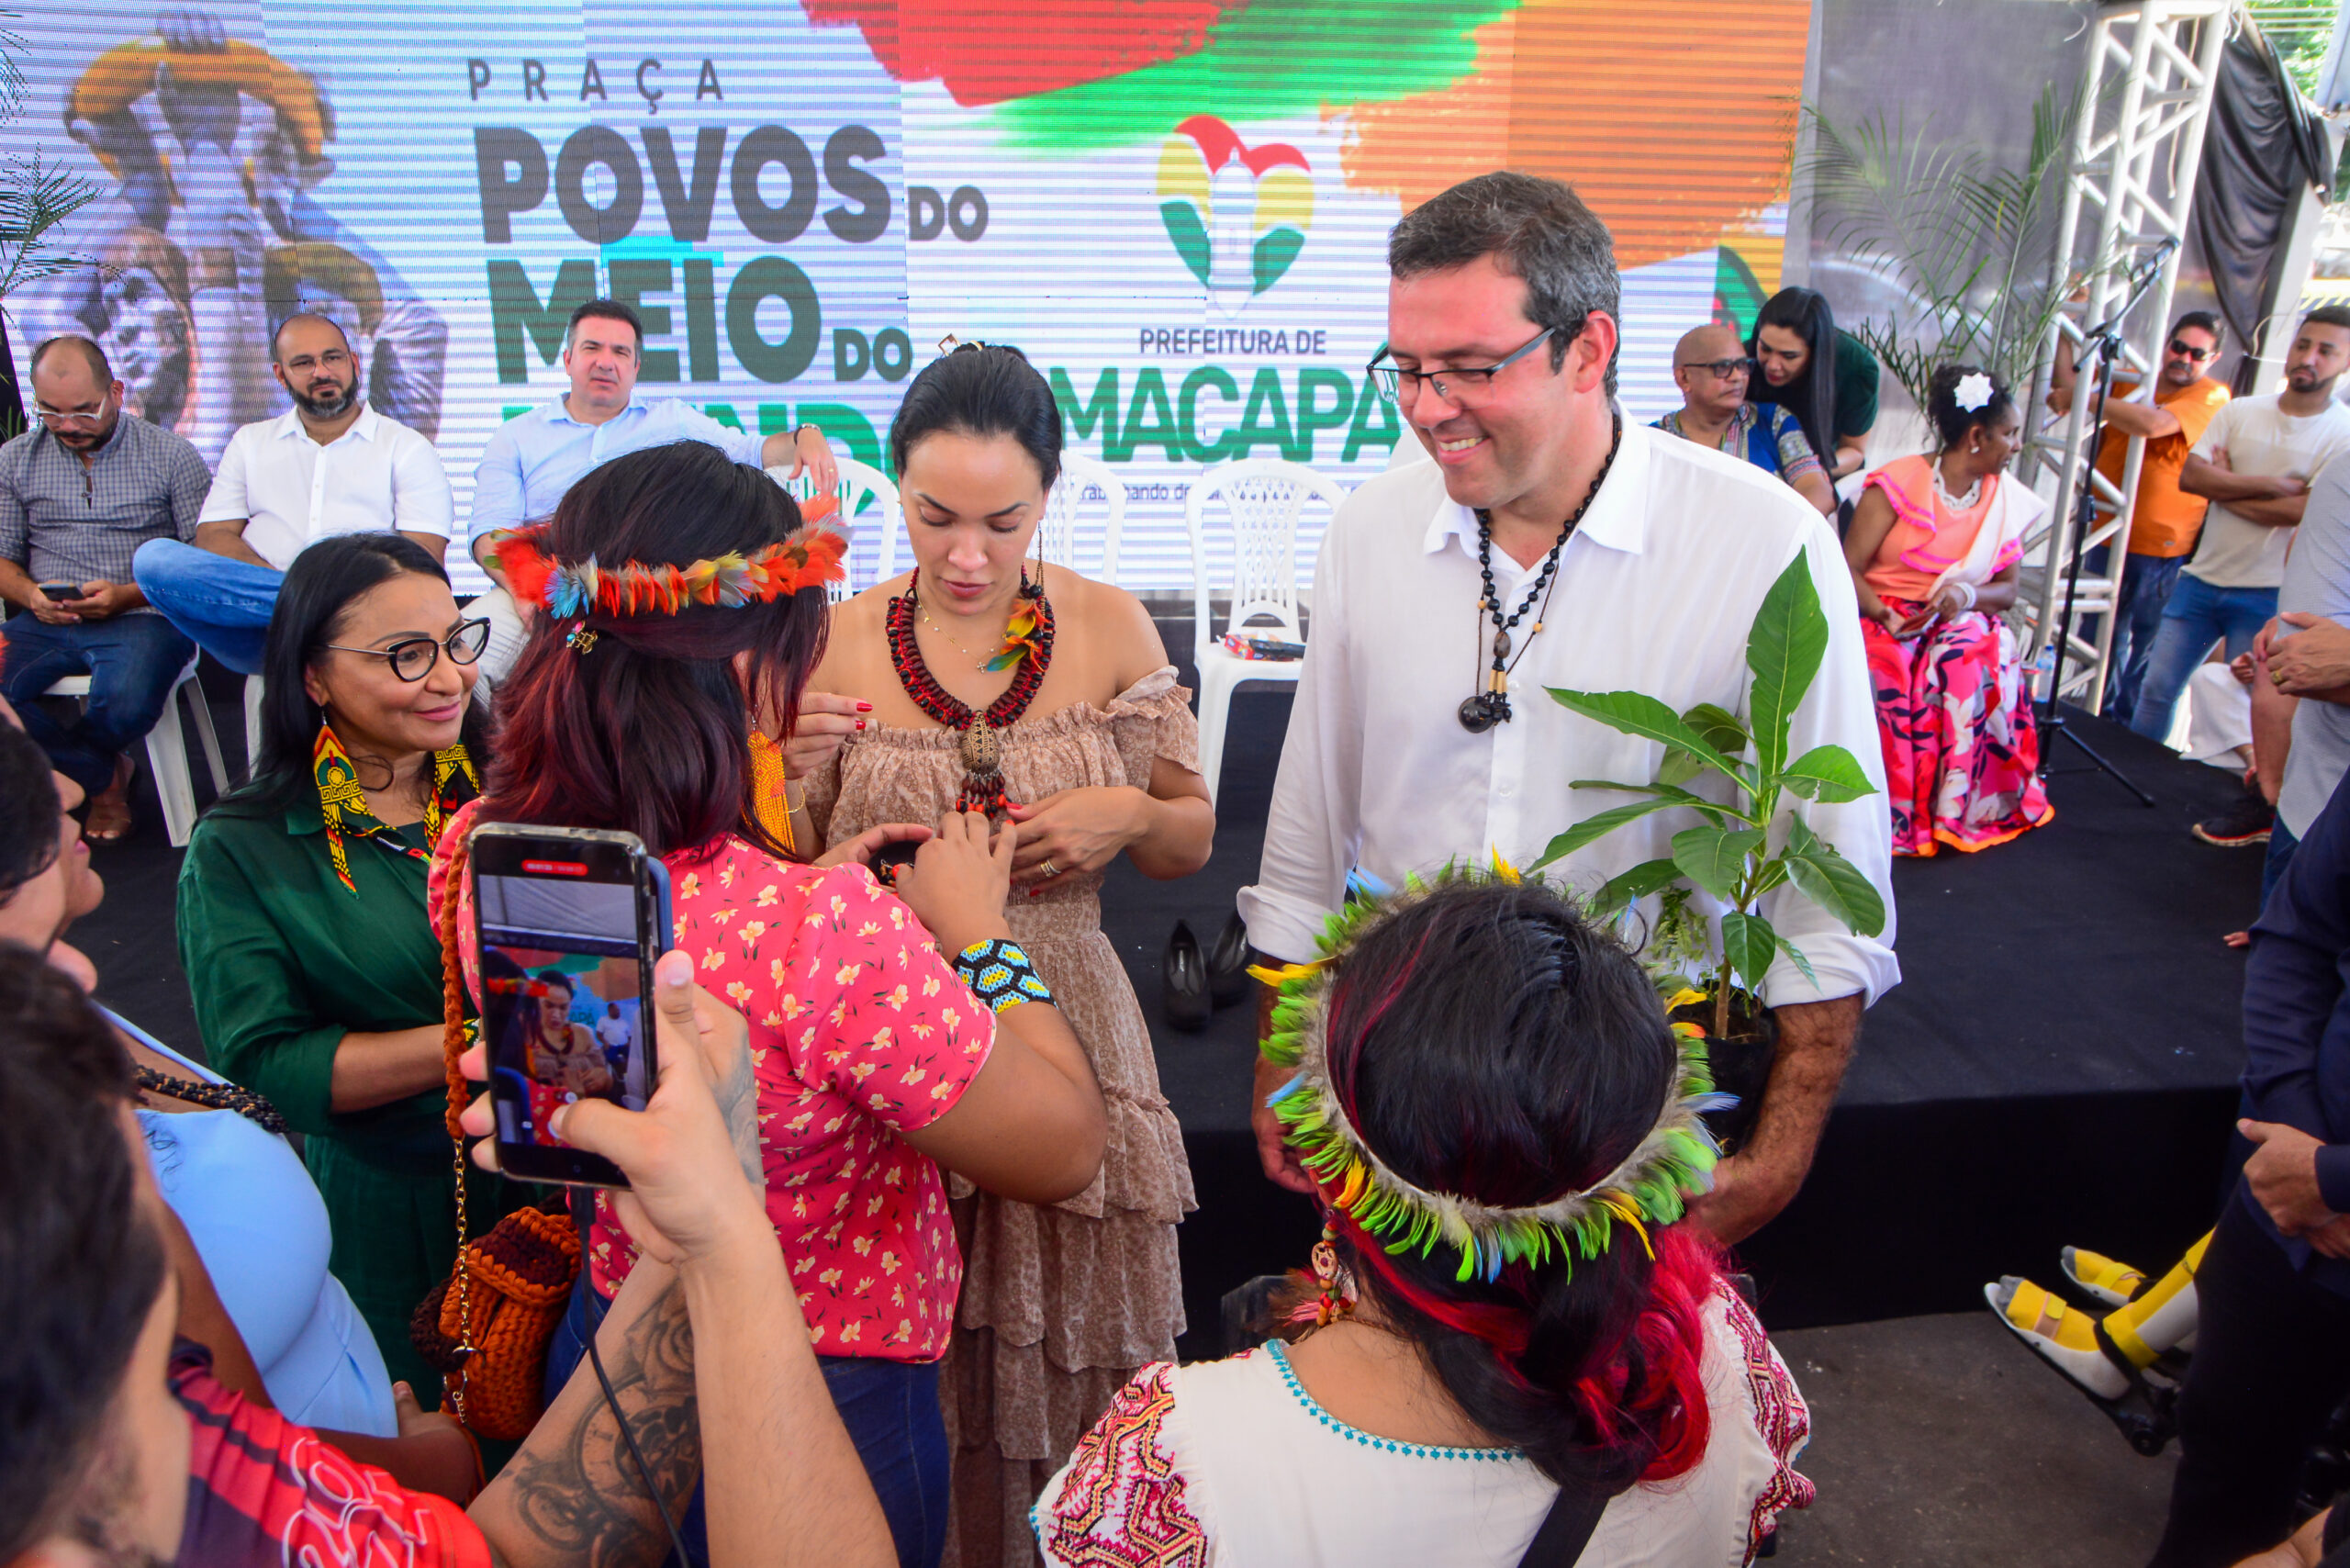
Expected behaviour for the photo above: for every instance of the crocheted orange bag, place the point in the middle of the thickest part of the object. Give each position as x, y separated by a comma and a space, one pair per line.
519, 1277
486, 1326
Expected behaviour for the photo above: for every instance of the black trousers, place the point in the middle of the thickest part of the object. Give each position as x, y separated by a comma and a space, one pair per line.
2272, 1360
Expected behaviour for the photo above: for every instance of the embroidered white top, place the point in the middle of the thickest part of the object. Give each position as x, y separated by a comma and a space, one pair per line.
1655, 594
1231, 1464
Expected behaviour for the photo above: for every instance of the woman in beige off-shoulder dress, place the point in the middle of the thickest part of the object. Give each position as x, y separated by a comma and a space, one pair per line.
1080, 740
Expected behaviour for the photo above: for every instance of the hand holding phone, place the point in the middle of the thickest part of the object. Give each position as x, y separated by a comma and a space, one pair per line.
59, 596
568, 921
690, 1196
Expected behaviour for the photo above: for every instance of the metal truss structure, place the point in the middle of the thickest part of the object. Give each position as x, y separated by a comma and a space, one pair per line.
2129, 185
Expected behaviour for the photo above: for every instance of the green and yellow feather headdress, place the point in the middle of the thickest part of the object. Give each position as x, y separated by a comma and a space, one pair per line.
1675, 1159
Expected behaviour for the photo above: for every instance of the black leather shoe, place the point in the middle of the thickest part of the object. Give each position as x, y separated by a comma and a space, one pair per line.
1228, 964
1183, 983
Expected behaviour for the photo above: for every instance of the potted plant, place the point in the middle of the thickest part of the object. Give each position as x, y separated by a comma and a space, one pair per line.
1743, 847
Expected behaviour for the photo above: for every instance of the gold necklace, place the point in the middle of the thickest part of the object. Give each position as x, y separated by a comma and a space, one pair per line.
978, 662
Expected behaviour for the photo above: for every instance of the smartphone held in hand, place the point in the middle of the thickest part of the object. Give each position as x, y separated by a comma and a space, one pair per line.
569, 923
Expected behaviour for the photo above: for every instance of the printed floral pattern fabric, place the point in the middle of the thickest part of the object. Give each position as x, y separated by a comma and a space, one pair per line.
1121, 1500
859, 1030
1962, 748
261, 1490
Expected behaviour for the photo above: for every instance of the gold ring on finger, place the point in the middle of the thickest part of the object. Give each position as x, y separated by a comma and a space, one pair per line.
1047, 870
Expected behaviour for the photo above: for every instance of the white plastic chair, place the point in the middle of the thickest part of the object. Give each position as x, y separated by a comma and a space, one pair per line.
253, 724
1062, 508
167, 749
858, 483
1264, 497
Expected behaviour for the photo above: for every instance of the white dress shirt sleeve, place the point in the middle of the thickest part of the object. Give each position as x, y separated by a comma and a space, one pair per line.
1840, 710
422, 501
227, 500
1314, 830
497, 487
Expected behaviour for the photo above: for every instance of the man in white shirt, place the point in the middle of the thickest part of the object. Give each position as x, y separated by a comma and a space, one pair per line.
535, 457
329, 466
1503, 335
2254, 463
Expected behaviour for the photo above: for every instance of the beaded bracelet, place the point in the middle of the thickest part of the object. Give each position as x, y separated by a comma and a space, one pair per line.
999, 974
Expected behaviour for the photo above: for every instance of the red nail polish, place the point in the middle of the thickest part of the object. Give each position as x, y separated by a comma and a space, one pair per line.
864, 707
860, 724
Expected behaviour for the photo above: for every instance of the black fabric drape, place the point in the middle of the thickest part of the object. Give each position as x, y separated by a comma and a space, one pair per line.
2265, 145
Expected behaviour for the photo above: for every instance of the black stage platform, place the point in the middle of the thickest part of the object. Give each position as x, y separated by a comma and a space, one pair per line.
2058, 1065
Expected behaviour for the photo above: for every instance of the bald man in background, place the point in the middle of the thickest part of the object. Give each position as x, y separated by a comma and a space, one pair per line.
1710, 366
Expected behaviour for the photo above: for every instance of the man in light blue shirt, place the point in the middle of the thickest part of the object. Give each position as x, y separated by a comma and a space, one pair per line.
536, 457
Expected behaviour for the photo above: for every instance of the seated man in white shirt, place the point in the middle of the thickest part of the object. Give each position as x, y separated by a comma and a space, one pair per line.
329, 466
1554, 538
533, 458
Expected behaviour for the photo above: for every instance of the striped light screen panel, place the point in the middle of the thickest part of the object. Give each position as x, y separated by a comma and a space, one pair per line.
1177, 208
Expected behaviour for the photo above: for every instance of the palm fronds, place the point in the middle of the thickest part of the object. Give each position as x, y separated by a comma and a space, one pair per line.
1970, 240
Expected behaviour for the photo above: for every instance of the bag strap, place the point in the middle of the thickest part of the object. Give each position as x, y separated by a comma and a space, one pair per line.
1567, 1527
453, 1046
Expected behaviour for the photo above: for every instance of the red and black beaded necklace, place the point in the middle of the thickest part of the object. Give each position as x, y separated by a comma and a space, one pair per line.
982, 746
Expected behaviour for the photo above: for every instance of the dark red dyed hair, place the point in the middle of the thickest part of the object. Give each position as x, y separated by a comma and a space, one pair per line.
649, 729
1485, 1041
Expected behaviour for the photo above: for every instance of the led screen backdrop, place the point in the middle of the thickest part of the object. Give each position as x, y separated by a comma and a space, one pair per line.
1176, 207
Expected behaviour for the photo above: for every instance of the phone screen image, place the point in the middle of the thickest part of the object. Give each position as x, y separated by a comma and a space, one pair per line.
564, 972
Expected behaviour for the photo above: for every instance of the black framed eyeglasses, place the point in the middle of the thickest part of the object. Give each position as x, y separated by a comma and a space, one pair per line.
2198, 355
1723, 369
1463, 387
412, 658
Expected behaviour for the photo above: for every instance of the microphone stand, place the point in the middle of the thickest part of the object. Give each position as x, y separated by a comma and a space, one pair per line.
2105, 341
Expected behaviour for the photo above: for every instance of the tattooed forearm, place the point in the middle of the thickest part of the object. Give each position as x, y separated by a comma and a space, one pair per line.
738, 1102
572, 1494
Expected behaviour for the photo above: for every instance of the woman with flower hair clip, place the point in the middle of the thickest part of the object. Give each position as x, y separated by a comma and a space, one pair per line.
1513, 1353
1934, 546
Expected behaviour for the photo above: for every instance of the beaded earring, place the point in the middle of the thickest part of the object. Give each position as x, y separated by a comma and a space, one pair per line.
1331, 1283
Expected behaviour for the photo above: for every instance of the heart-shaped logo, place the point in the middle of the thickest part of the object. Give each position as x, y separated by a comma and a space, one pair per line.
1236, 215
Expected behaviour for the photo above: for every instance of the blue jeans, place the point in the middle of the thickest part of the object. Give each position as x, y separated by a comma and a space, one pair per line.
224, 605
133, 661
2147, 582
890, 1409
2197, 616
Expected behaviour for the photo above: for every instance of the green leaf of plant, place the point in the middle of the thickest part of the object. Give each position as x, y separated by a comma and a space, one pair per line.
1795, 957
1719, 726
1784, 650
1748, 945
1827, 773
1635, 714
1599, 826
1713, 810
1678, 766
1836, 885
1715, 858
1629, 888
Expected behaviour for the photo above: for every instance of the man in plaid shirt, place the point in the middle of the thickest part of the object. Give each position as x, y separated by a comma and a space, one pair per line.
78, 494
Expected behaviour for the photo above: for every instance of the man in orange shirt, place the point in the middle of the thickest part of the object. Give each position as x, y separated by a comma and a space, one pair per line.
2164, 528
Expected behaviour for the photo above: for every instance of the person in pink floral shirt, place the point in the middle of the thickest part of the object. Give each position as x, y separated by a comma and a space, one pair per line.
892, 1033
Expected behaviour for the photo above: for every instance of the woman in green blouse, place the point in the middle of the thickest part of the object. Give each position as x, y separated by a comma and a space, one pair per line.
302, 924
